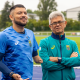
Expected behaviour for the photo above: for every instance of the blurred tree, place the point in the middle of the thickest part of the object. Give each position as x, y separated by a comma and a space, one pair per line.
79, 16
29, 11
45, 8
69, 25
5, 14
64, 13
36, 12
31, 16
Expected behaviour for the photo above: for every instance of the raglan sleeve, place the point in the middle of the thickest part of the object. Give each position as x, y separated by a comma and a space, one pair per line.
73, 61
3, 43
3, 68
43, 53
35, 47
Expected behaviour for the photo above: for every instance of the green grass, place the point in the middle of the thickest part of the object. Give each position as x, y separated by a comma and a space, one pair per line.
77, 39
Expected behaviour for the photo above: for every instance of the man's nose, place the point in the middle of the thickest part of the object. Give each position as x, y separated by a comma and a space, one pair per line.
25, 15
57, 23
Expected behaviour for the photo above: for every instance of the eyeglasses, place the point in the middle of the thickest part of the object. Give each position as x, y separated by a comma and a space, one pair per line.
59, 22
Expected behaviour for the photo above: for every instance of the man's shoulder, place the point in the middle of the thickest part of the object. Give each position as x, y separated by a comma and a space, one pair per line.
69, 40
28, 30
7, 30
45, 39
2, 34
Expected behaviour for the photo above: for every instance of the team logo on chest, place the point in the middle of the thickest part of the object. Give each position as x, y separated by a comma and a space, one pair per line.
28, 39
30, 44
67, 47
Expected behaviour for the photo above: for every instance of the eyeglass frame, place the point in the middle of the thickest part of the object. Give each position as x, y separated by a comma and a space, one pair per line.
59, 22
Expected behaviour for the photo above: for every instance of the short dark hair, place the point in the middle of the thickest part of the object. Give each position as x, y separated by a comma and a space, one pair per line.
15, 6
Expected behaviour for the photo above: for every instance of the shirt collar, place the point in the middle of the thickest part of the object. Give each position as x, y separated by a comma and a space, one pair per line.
57, 36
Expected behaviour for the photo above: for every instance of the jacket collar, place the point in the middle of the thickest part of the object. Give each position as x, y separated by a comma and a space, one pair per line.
57, 36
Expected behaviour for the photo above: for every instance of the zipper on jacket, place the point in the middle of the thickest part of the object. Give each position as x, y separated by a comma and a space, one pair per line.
61, 57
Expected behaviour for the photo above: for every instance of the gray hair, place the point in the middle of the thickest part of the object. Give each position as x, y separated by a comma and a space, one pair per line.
55, 14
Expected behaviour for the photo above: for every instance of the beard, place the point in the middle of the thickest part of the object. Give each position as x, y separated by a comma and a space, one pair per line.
19, 23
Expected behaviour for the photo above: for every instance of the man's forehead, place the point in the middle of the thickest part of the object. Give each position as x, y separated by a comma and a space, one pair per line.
19, 9
57, 18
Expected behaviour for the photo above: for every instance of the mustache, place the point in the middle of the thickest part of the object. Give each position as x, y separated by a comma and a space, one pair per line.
58, 26
23, 17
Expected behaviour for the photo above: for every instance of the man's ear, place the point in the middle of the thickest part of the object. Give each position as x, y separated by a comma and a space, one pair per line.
11, 17
50, 27
65, 23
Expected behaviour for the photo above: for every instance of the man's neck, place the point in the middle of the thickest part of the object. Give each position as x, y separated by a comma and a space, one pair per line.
18, 28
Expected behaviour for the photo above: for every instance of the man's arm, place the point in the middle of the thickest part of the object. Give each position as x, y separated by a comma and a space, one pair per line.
56, 59
5, 70
36, 57
47, 64
73, 61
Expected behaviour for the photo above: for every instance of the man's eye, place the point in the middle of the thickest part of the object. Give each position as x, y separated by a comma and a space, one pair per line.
60, 22
19, 12
25, 12
55, 23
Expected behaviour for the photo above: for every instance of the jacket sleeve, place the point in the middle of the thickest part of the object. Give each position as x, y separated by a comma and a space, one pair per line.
73, 61
43, 52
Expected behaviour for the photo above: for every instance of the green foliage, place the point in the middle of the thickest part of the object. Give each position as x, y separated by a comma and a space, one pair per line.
8, 24
31, 16
69, 24
5, 15
72, 25
64, 13
79, 16
36, 12
43, 25
76, 25
29, 11
38, 25
45, 8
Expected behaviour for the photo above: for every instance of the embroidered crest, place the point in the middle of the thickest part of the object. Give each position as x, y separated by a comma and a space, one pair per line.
30, 43
68, 47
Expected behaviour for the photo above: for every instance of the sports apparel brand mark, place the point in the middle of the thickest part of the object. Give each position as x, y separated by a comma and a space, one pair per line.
53, 47
16, 42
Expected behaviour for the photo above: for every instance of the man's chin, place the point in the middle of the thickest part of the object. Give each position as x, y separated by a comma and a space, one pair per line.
20, 23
